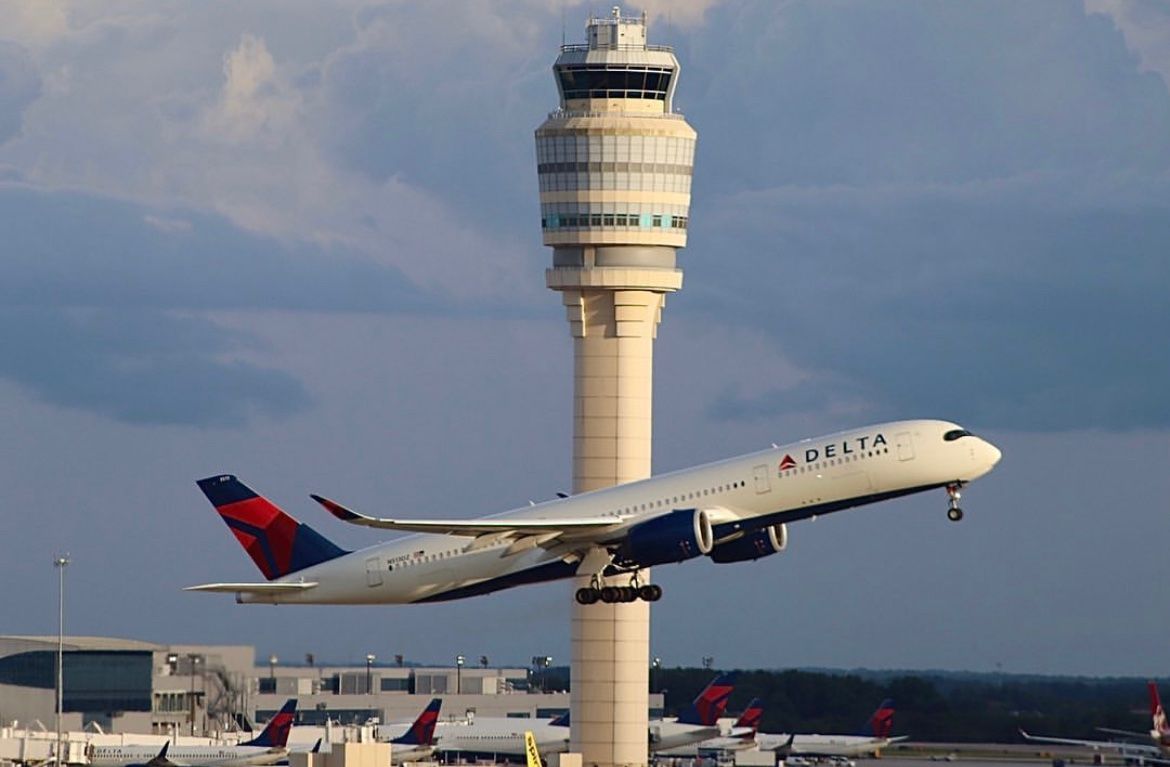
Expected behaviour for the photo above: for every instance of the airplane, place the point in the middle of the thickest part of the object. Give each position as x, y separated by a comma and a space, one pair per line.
268, 748
875, 736
418, 742
734, 510
1154, 751
501, 737
697, 722
746, 726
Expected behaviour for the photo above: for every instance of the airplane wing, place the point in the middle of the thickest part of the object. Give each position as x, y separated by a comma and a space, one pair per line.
562, 528
253, 588
1129, 748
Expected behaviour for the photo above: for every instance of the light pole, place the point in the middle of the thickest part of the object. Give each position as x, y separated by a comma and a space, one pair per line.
193, 662
655, 665
60, 562
459, 659
272, 661
708, 661
370, 658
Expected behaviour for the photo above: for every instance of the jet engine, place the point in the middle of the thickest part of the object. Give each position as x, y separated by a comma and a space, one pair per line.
758, 543
680, 535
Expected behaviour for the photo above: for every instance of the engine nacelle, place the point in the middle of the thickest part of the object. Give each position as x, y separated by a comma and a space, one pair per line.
759, 543
680, 535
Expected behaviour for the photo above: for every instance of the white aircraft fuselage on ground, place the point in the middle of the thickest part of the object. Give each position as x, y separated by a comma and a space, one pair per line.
499, 737
731, 510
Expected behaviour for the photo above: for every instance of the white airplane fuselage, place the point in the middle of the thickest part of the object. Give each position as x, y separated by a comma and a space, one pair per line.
494, 736
194, 756
770, 487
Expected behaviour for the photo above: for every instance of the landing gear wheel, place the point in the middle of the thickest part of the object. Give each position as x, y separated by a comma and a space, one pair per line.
588, 596
610, 595
650, 593
954, 513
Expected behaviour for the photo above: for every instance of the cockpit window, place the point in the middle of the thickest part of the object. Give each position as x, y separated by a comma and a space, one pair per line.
955, 434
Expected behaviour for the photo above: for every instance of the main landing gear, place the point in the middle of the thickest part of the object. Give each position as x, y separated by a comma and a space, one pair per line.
595, 592
954, 513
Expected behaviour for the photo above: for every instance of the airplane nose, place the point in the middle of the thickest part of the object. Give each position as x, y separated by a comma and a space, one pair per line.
993, 453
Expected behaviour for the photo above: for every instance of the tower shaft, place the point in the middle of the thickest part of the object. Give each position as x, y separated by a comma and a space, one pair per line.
614, 164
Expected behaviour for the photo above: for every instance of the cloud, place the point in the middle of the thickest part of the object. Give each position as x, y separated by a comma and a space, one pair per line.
988, 312
1146, 26
108, 306
20, 85
142, 366
255, 104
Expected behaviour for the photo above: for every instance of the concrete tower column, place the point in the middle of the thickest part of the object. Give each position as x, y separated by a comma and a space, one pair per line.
614, 164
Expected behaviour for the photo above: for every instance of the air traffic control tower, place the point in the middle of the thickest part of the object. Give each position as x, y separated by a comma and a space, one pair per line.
614, 163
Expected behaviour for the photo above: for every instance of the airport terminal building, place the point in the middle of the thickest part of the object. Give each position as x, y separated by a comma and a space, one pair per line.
126, 685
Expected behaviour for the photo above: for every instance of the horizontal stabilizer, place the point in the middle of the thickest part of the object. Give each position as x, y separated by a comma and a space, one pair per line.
471, 527
253, 588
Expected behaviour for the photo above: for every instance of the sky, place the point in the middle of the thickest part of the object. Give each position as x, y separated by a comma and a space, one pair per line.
299, 242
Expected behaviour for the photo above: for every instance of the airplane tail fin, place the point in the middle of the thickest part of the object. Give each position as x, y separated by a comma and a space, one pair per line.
1156, 710
706, 709
881, 722
422, 732
530, 750
751, 716
275, 733
277, 543
560, 721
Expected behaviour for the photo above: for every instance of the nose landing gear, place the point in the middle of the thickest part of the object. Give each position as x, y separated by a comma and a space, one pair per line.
954, 513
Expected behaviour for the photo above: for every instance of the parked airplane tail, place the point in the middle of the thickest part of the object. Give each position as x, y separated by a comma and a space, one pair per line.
881, 723
275, 733
422, 732
706, 709
560, 721
277, 543
1156, 711
751, 717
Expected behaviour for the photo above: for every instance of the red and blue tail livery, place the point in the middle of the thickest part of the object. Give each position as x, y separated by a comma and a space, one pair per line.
275, 734
422, 732
750, 718
277, 543
711, 703
881, 722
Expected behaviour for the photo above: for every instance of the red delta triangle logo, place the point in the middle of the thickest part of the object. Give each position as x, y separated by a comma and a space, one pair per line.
788, 462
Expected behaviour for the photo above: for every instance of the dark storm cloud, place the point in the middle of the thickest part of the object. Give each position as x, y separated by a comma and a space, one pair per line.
985, 312
92, 289
141, 365
961, 209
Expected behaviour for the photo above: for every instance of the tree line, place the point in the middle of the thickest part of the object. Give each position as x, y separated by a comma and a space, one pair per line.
930, 706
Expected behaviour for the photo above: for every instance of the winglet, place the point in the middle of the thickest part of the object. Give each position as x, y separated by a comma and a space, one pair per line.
336, 509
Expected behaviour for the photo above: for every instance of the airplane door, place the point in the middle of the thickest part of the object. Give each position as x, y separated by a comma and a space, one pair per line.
374, 571
762, 483
905, 446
